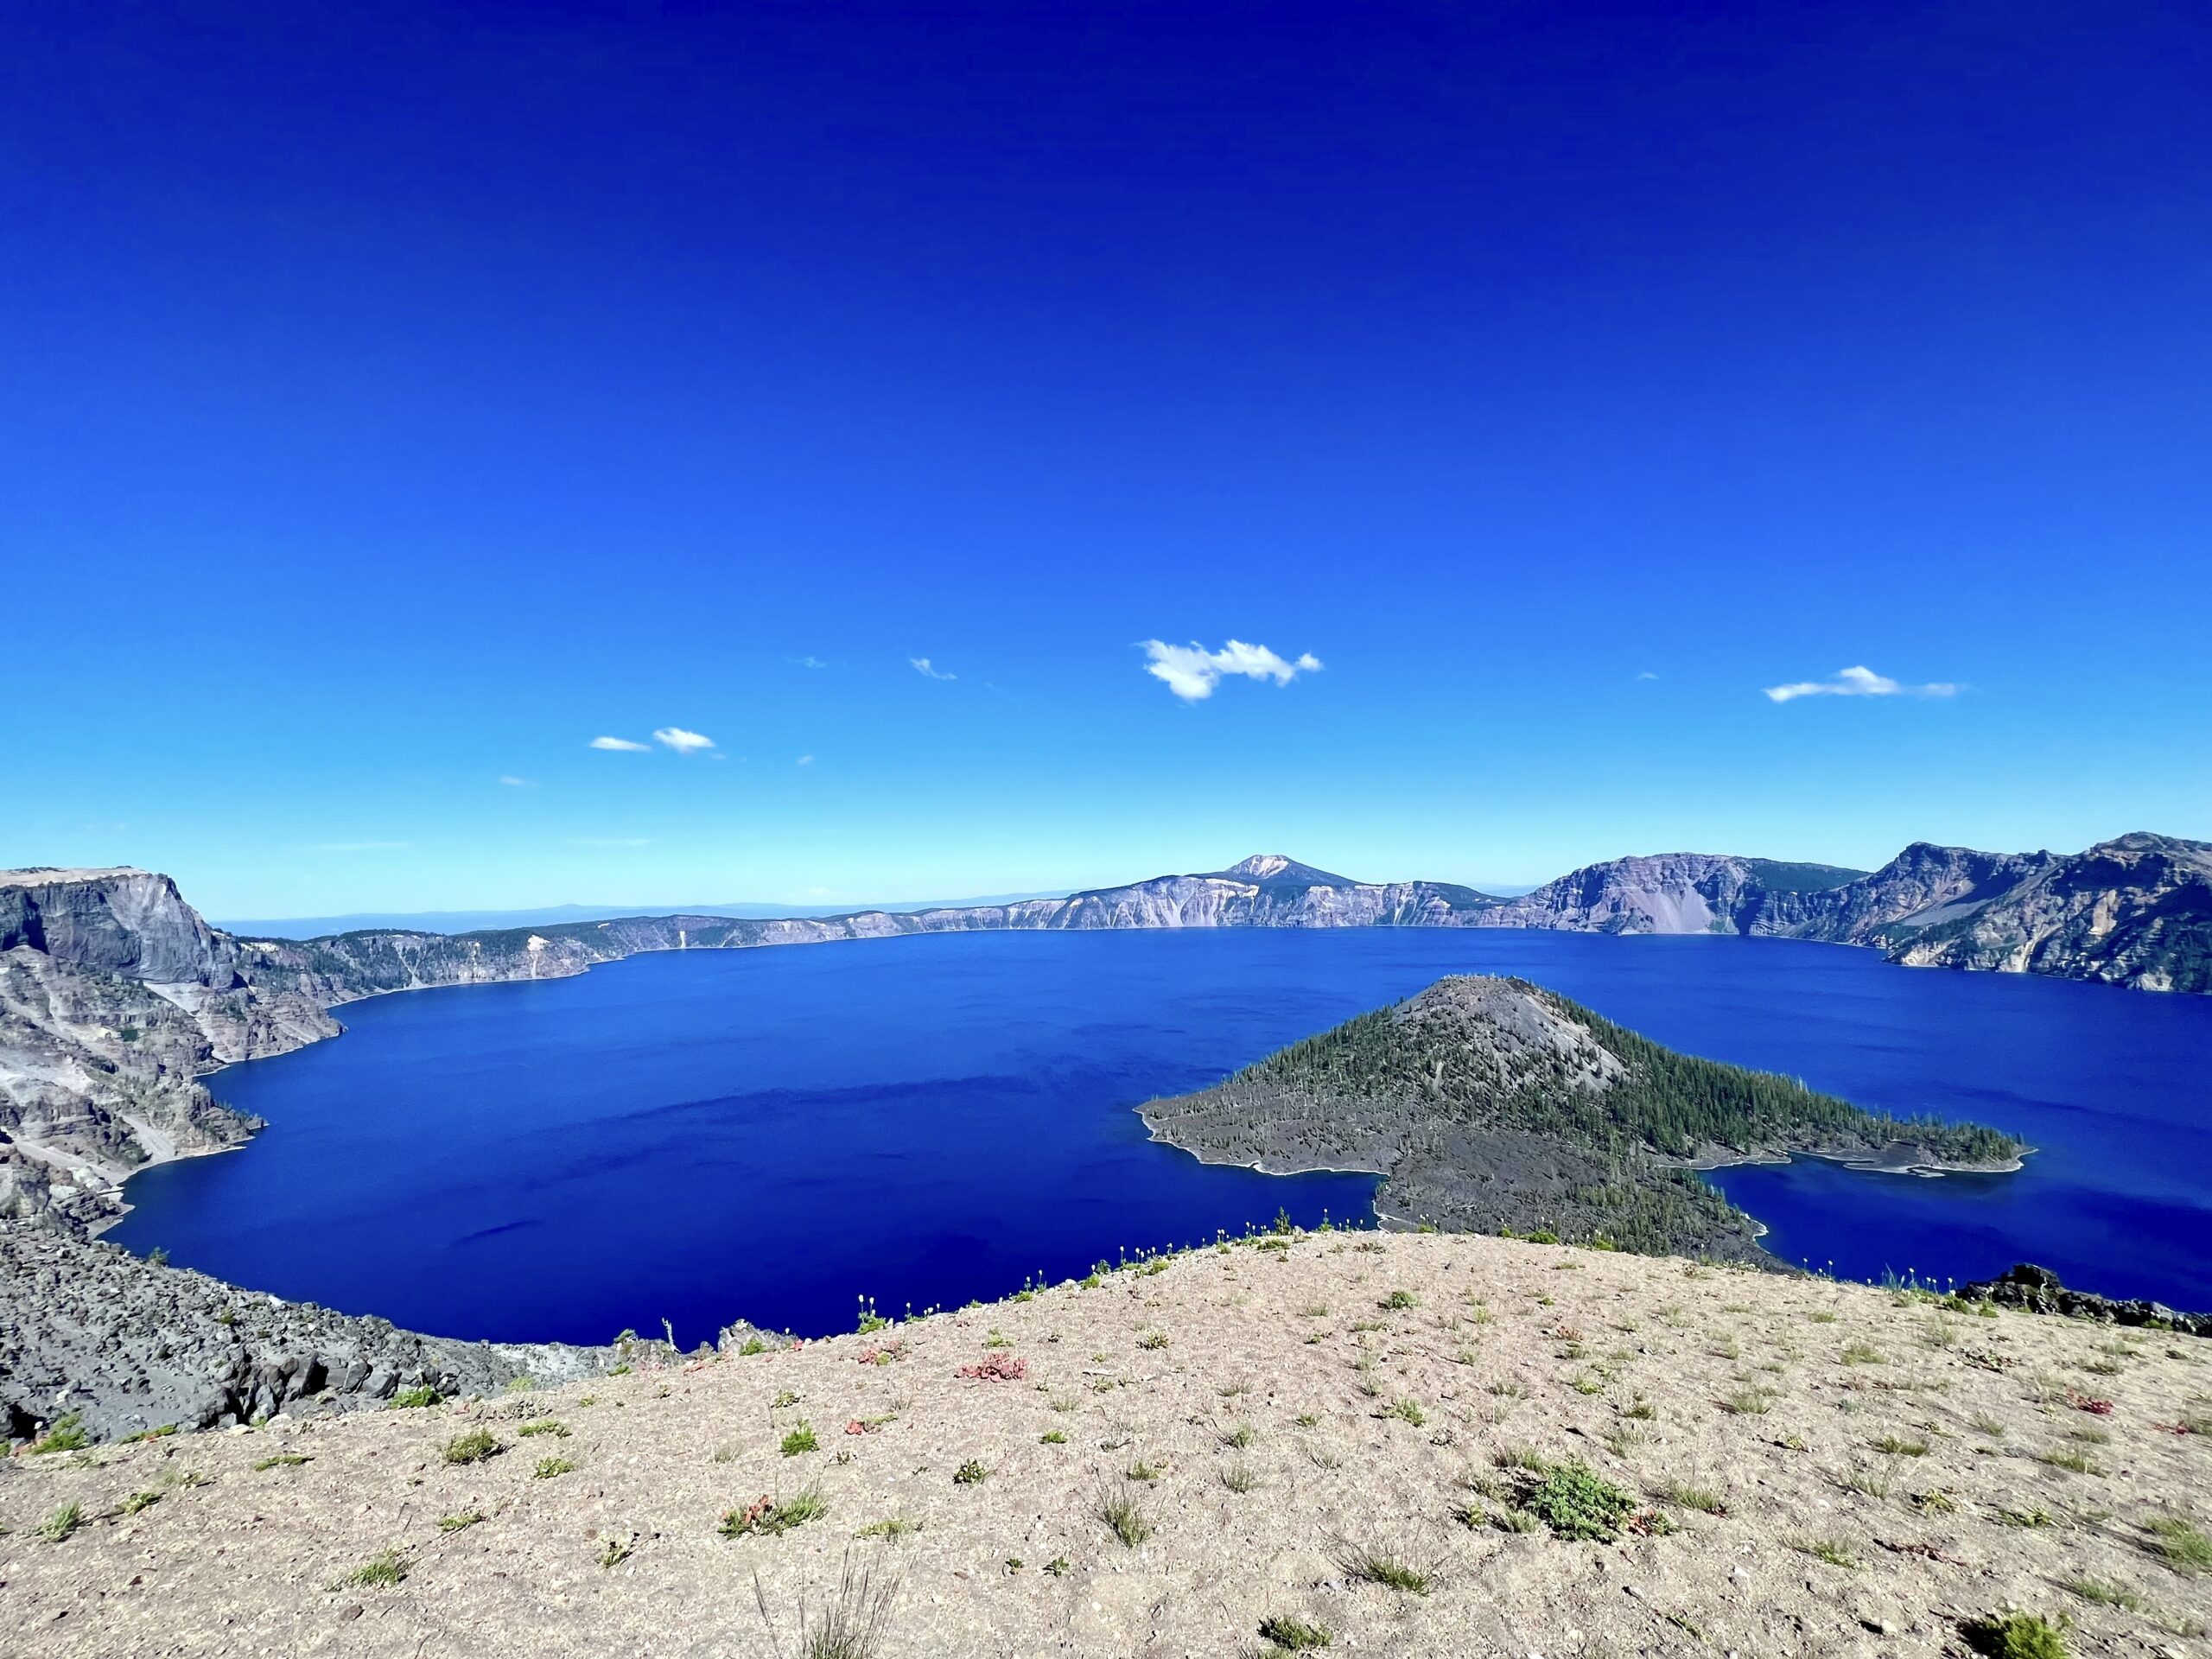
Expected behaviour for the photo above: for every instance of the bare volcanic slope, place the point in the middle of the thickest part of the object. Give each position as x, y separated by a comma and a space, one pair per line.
1419, 1446
1492, 1104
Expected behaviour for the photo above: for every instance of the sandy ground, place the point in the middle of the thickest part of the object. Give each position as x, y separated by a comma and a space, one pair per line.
1881, 1471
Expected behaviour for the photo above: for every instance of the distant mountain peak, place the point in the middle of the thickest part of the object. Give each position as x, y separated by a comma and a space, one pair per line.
1274, 867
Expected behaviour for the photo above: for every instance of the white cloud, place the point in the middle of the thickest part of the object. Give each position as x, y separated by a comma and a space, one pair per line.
1192, 672
513, 782
923, 667
806, 760
683, 742
622, 744
806, 662
1647, 675
1858, 683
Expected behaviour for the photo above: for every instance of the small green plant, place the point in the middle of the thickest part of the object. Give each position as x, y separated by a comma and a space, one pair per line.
1238, 1478
2077, 1462
2016, 1636
970, 1473
2179, 1544
1377, 1567
559, 1431
57, 1526
892, 1529
161, 1434
473, 1447
1862, 1353
414, 1399
1240, 1436
1123, 1516
282, 1460
767, 1516
387, 1569
615, 1551
549, 1467
2104, 1593
460, 1523
1576, 1502
1748, 1403
784, 1399
1052, 1437
1824, 1550
65, 1433
1153, 1339
139, 1501
1397, 1300
1867, 1482
1897, 1446
1146, 1472
800, 1439
1293, 1635
1693, 1497
1408, 1411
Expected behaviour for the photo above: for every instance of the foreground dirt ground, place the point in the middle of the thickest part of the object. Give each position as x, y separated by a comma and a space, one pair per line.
1341, 1430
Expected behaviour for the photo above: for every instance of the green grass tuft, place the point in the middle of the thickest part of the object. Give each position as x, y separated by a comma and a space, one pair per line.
2016, 1636
472, 1448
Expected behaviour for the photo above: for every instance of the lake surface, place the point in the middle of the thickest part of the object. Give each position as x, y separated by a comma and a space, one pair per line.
772, 1134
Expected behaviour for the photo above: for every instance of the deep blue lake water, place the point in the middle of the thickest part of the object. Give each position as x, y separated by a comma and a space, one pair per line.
770, 1134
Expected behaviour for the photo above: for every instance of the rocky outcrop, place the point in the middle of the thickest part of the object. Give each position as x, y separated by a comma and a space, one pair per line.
2037, 1290
90, 1333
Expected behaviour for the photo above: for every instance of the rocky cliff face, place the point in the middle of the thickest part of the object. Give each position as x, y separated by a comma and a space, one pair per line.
1673, 893
115, 999
2137, 910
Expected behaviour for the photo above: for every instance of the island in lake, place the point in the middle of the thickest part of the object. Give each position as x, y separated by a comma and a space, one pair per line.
1492, 1105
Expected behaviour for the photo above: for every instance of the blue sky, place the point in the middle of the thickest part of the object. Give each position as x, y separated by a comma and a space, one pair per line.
391, 404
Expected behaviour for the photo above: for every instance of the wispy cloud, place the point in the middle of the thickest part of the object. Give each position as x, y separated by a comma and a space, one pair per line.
621, 744
1858, 683
806, 760
1192, 672
361, 846
683, 742
806, 662
924, 667
1647, 675
609, 841
511, 781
